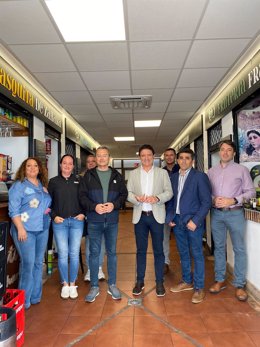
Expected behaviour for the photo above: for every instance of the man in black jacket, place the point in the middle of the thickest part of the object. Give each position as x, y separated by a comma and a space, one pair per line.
102, 193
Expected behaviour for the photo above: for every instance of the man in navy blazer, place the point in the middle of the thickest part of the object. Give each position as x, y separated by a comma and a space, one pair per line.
186, 213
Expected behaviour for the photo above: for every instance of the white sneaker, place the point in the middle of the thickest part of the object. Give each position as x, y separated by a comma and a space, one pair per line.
65, 292
87, 276
101, 275
73, 292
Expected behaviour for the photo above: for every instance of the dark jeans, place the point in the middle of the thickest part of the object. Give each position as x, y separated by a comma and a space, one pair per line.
190, 243
96, 232
142, 228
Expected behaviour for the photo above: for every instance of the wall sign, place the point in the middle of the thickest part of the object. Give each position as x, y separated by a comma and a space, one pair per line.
77, 135
243, 84
16, 88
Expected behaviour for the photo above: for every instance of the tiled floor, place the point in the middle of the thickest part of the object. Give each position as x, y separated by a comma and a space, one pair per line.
169, 321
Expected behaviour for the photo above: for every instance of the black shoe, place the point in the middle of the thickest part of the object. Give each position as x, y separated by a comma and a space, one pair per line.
160, 290
138, 288
166, 269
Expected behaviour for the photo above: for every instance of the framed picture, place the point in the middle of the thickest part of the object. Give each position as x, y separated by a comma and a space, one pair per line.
248, 123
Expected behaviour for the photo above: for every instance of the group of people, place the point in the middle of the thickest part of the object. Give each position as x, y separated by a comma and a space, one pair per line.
176, 197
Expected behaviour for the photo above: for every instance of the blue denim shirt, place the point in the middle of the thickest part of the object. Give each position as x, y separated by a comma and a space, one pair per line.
30, 203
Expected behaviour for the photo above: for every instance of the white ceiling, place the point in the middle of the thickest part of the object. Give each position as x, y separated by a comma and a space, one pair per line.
176, 50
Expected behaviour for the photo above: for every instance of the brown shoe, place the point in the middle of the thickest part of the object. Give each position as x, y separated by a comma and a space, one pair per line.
217, 287
166, 269
241, 294
181, 287
198, 296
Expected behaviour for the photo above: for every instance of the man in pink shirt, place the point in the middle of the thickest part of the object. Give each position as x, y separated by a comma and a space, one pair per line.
231, 184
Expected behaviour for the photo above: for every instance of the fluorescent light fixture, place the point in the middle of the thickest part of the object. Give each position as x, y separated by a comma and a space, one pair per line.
147, 123
89, 20
124, 138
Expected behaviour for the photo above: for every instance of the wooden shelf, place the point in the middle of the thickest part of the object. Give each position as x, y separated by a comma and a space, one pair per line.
17, 129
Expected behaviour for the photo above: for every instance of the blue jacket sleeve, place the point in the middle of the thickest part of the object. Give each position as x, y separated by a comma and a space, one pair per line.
15, 199
204, 196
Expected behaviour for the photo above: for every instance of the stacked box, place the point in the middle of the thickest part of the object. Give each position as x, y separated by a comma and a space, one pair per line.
14, 298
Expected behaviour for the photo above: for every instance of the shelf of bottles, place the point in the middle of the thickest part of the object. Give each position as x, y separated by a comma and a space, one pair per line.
10, 123
252, 210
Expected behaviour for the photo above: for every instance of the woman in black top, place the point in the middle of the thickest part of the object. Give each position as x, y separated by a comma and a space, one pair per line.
67, 223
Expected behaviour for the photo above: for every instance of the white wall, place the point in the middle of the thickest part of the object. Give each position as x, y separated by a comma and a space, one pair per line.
38, 129
253, 254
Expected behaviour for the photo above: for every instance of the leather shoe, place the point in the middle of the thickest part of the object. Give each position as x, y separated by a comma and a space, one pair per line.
198, 296
166, 269
241, 294
217, 287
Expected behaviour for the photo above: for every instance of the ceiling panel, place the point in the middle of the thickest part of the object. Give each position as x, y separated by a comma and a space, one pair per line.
163, 20
26, 22
215, 53
184, 106
99, 56
176, 51
158, 55
156, 78
158, 95
177, 115
81, 109
54, 58
63, 81
73, 97
201, 77
186, 94
230, 19
106, 80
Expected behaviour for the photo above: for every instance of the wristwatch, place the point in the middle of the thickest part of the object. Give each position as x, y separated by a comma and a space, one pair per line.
236, 201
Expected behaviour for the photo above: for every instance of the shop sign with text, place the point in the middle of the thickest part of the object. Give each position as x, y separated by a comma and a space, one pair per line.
245, 83
77, 135
16, 88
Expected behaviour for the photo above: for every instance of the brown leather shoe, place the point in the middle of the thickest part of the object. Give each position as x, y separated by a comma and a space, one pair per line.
198, 296
181, 287
166, 269
217, 287
241, 294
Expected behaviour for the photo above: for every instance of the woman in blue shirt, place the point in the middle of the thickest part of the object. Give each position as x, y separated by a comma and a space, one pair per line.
29, 203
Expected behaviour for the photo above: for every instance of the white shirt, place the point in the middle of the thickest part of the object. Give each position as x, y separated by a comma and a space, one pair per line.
182, 179
147, 186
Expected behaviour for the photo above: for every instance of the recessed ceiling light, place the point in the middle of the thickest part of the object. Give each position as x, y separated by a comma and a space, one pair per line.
124, 138
89, 20
147, 123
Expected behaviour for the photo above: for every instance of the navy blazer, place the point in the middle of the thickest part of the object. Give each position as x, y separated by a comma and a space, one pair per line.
195, 200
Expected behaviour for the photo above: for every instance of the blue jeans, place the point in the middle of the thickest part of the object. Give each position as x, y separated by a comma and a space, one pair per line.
68, 238
102, 251
234, 221
31, 254
95, 232
189, 243
142, 228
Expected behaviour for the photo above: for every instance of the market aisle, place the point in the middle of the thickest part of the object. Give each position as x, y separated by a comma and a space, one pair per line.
169, 321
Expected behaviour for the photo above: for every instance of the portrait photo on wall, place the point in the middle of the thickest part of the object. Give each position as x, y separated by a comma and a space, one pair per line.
248, 122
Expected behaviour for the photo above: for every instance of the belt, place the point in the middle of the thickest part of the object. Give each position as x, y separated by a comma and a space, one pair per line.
228, 208
147, 213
